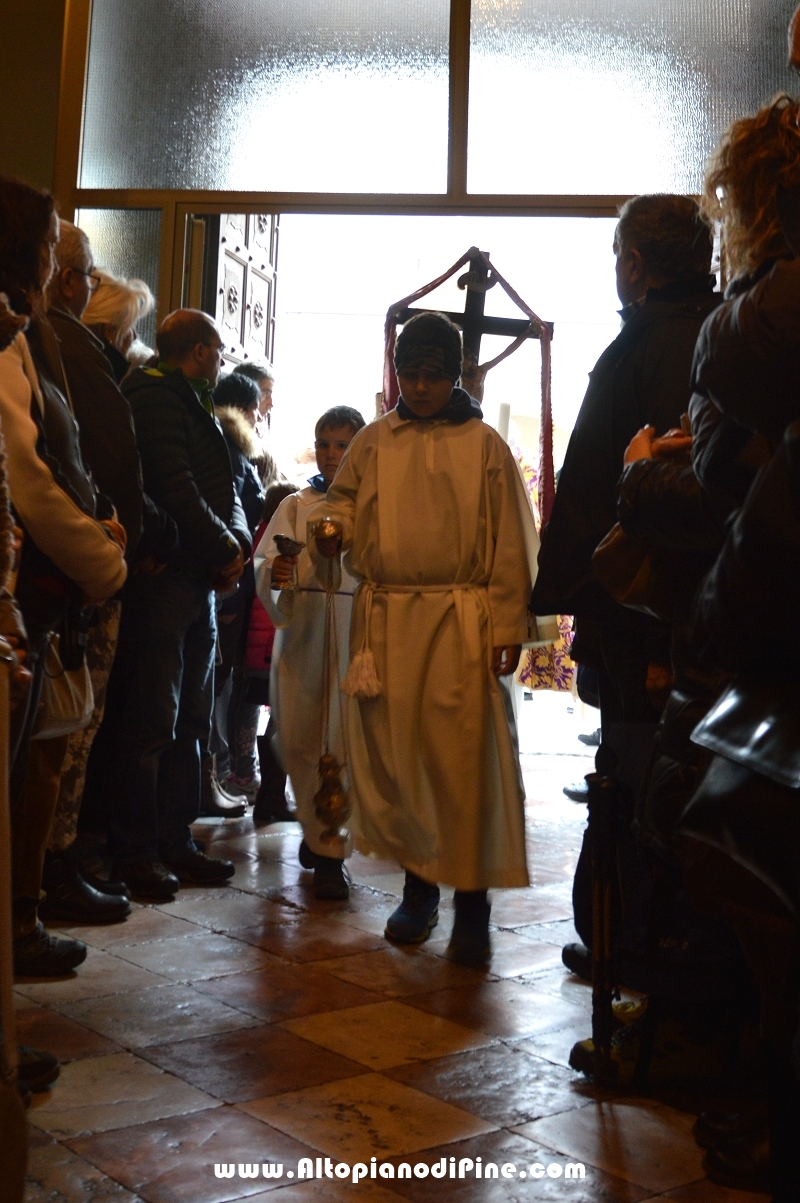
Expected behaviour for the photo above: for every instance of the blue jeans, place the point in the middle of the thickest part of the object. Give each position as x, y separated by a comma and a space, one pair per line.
167, 640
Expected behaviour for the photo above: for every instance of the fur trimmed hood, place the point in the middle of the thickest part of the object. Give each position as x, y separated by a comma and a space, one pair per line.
237, 428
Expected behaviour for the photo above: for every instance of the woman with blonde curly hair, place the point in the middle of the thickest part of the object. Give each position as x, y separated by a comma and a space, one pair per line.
746, 373
757, 156
114, 309
748, 354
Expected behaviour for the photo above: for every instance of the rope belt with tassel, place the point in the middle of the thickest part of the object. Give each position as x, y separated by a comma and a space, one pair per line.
361, 680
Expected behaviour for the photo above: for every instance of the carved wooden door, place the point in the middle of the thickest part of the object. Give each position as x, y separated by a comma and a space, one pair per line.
241, 255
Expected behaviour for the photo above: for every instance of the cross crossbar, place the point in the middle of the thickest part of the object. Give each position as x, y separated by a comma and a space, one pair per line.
513, 327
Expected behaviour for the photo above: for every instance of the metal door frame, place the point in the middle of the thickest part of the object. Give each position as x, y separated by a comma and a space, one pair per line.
176, 205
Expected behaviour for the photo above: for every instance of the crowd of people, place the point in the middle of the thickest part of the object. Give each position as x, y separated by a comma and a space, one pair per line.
674, 541
162, 583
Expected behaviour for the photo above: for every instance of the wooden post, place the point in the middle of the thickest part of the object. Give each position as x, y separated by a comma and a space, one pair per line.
474, 307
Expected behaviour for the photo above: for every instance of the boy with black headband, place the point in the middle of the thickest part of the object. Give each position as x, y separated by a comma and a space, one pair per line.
437, 525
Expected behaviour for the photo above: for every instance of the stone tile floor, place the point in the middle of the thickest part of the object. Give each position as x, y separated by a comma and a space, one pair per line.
252, 1024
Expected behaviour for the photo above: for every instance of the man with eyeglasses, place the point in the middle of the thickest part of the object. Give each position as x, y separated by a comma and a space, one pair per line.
168, 634
108, 444
108, 448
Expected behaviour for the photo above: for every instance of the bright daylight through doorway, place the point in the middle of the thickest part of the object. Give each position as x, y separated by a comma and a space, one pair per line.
337, 276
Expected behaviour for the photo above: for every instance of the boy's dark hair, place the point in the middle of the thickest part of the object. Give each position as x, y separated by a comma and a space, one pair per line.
340, 415
430, 340
274, 495
669, 232
254, 371
237, 391
25, 216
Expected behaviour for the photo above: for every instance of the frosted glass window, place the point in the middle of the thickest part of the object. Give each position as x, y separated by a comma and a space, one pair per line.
615, 96
127, 242
268, 95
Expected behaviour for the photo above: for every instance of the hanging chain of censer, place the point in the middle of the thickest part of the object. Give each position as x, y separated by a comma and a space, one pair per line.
331, 801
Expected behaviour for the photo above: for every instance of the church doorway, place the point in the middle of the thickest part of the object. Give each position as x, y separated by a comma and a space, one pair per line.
337, 276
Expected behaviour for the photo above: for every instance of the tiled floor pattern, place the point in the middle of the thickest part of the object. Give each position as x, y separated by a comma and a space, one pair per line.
252, 1024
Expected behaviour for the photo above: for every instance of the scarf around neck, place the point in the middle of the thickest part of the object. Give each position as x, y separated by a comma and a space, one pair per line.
460, 408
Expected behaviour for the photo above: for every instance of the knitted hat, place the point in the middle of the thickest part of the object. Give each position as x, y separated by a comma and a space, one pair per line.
432, 341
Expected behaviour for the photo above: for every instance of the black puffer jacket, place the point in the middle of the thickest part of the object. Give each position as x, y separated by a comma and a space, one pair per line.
187, 470
748, 354
744, 816
665, 504
687, 510
107, 440
748, 607
642, 378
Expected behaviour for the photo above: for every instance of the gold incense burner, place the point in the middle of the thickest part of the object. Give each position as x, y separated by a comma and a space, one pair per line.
331, 801
327, 533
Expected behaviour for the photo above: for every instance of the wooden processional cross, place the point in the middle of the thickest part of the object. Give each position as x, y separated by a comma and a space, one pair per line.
474, 322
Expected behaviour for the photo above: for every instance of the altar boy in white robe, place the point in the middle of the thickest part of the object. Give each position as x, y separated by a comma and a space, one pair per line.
437, 525
296, 688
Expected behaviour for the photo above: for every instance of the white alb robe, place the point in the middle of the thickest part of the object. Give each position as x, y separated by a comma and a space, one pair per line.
296, 673
439, 528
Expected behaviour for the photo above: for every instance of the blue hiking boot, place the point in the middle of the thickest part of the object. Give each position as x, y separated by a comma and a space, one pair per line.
417, 914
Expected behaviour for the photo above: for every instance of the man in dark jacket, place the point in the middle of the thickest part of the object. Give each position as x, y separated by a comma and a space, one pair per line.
107, 439
108, 447
663, 259
170, 634
663, 250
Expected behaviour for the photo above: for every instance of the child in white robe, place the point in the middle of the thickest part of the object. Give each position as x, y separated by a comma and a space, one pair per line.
437, 524
296, 674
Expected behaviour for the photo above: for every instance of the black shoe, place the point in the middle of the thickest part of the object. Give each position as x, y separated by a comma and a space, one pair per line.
71, 898
147, 879
742, 1164
307, 858
272, 808
578, 959
117, 888
41, 955
36, 1069
220, 805
470, 942
330, 883
271, 804
417, 914
592, 740
198, 869
578, 791
714, 1128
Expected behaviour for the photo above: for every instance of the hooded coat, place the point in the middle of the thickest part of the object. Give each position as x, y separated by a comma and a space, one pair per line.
246, 452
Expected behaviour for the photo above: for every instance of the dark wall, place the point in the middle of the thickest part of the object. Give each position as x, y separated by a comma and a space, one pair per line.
29, 80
